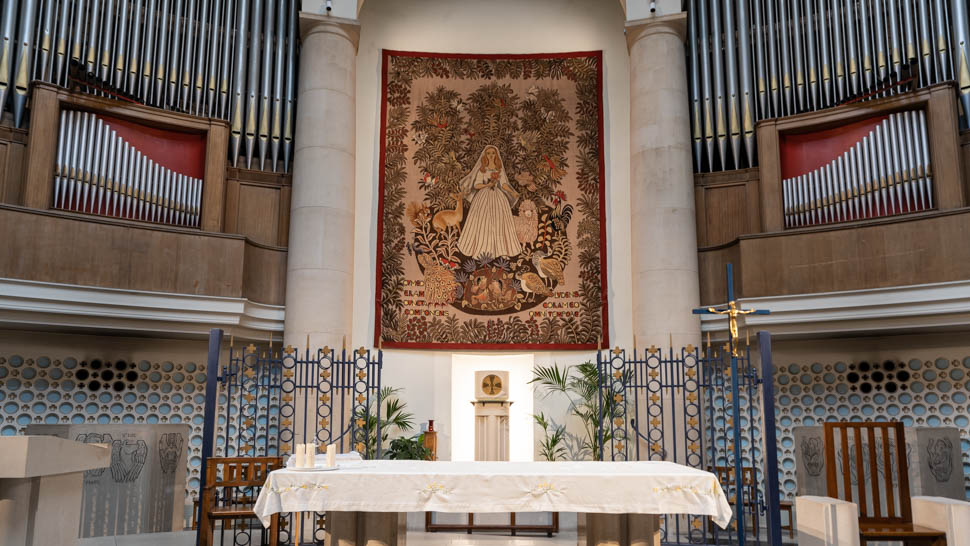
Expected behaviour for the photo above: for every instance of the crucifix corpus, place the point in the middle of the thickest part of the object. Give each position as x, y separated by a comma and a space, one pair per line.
733, 311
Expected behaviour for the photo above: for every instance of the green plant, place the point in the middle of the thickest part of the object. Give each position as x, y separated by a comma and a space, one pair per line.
581, 388
394, 418
551, 447
411, 448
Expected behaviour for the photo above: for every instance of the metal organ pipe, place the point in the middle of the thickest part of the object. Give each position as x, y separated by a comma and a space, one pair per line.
252, 82
45, 41
293, 9
720, 116
98, 172
761, 67
237, 117
813, 54
22, 59
229, 38
266, 85
205, 38
706, 84
276, 128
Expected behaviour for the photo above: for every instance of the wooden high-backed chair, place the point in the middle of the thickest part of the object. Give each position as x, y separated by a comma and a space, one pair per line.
228, 473
725, 475
882, 493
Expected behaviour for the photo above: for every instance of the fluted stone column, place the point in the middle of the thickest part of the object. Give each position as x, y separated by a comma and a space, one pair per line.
320, 263
665, 282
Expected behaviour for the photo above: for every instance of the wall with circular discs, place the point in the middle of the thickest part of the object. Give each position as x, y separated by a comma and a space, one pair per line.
53, 391
930, 393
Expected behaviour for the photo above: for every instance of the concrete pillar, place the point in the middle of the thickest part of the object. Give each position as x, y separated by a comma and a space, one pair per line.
320, 263
665, 282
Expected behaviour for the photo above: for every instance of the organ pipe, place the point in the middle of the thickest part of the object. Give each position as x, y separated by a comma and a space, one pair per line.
266, 84
887, 172
808, 55
229, 59
98, 172
290, 82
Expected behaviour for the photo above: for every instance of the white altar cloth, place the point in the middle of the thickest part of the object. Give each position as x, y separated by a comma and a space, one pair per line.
480, 486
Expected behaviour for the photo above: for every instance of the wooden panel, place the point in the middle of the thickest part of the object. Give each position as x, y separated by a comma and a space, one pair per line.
725, 213
257, 215
942, 126
42, 147
769, 164
214, 188
13, 149
727, 205
61, 247
264, 277
712, 265
965, 152
892, 252
258, 205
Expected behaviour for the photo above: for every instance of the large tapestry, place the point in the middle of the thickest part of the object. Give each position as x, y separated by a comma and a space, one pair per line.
491, 226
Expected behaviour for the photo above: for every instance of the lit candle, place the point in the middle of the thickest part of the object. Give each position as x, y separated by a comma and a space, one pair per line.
332, 455
300, 455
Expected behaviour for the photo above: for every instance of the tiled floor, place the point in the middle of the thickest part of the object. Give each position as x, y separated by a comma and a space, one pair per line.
187, 538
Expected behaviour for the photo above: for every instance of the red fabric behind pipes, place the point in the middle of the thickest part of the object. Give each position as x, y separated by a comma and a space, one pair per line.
803, 153
183, 153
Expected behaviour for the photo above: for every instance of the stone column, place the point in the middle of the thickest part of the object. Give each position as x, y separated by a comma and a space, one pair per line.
320, 263
665, 282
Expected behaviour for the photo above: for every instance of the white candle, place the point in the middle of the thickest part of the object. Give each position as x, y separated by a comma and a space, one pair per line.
300, 455
332, 455
311, 455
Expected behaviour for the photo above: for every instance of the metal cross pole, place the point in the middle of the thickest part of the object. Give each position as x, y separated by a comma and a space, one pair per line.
733, 312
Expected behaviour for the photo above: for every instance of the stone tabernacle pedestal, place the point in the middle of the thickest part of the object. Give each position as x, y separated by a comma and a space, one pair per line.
40, 488
142, 490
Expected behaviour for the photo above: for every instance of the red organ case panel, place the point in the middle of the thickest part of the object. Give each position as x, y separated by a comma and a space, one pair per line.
879, 166
113, 167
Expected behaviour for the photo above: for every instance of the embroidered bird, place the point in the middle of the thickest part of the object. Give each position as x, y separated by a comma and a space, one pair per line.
526, 222
439, 281
551, 165
561, 214
532, 283
548, 268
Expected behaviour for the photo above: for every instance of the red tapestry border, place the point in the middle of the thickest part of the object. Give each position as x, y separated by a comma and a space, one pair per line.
604, 340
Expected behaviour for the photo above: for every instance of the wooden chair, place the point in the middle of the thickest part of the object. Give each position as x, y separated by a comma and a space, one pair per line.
885, 513
725, 475
226, 474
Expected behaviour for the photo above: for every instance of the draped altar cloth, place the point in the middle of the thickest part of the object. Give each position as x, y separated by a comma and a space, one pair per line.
653, 487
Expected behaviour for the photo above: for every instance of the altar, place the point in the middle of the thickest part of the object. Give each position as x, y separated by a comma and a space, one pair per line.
622, 501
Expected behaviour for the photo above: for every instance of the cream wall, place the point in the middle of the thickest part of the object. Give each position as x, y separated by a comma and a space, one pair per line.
498, 26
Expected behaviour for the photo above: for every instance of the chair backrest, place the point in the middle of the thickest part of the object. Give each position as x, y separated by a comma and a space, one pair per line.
866, 464
240, 471
725, 475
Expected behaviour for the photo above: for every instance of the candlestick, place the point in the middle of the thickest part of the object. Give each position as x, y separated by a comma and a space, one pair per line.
332, 455
300, 455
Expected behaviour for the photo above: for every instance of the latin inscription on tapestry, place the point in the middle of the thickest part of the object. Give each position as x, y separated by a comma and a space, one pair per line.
491, 230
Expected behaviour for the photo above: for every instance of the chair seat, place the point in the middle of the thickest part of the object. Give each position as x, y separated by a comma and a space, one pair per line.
901, 531
232, 511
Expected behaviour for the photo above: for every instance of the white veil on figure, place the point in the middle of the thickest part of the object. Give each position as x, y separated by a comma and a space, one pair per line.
467, 184
489, 227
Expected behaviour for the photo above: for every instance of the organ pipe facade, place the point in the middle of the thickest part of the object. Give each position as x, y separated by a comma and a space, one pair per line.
229, 59
774, 58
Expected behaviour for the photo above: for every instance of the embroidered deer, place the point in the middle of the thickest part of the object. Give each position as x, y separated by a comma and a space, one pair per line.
450, 218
